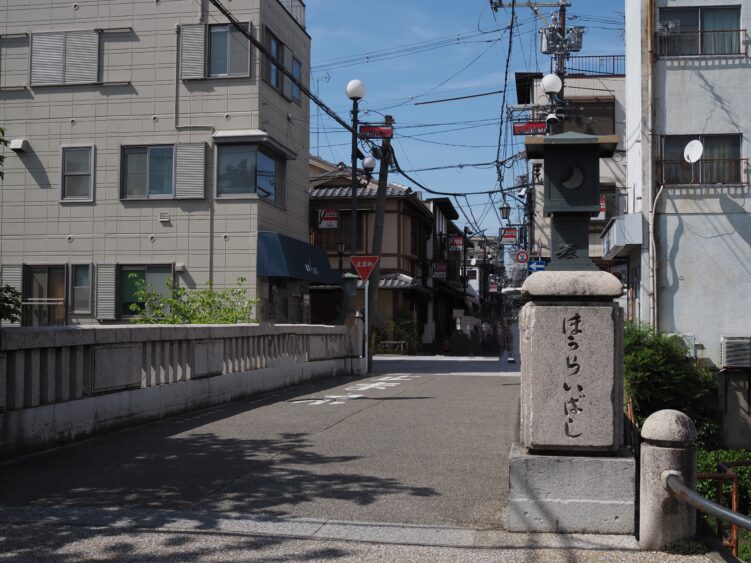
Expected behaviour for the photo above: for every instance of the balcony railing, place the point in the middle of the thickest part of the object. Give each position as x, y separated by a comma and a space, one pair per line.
599, 65
296, 8
704, 172
701, 43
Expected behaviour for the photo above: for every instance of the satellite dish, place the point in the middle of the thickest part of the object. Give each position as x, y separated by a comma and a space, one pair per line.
693, 150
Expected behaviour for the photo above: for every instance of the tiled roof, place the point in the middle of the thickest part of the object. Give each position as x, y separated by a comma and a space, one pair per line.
392, 190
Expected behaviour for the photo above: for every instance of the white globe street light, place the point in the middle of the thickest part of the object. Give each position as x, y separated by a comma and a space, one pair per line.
355, 89
551, 84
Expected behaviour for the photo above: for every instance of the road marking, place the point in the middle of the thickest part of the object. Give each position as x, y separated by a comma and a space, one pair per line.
405, 377
380, 385
329, 400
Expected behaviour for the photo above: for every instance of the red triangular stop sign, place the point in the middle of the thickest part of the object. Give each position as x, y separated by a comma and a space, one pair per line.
364, 265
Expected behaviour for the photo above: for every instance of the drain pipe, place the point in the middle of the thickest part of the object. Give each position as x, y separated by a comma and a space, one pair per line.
653, 260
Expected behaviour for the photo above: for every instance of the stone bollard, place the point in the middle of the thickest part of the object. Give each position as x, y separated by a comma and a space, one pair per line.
668, 445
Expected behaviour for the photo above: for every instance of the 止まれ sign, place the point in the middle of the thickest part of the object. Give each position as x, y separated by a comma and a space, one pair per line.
364, 265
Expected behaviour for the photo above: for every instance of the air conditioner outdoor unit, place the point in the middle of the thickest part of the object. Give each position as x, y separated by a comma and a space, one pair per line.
689, 340
735, 352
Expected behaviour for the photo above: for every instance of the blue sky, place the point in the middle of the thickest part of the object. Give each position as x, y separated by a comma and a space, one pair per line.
440, 49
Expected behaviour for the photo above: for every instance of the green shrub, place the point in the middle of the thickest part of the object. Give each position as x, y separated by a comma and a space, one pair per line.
707, 463
687, 546
199, 306
659, 375
10, 304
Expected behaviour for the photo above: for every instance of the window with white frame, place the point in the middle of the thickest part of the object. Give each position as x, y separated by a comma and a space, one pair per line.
80, 283
209, 51
249, 169
65, 57
148, 172
229, 51
77, 173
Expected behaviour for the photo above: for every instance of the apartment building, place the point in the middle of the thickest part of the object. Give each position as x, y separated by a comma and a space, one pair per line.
150, 139
687, 80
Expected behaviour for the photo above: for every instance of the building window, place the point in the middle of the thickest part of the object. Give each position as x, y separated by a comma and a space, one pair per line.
65, 57
77, 173
699, 31
229, 51
720, 162
247, 169
297, 74
157, 277
274, 75
80, 282
148, 172
43, 297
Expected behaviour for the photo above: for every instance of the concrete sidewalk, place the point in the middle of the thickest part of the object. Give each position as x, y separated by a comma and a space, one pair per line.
407, 464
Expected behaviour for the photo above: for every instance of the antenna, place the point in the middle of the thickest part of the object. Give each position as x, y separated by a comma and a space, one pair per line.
692, 154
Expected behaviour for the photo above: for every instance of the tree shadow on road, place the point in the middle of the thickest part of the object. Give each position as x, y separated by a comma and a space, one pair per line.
172, 471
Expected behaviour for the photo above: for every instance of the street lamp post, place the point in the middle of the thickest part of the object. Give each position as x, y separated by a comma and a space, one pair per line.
552, 85
505, 210
340, 251
355, 92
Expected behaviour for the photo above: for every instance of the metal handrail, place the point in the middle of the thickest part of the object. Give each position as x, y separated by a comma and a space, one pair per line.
673, 483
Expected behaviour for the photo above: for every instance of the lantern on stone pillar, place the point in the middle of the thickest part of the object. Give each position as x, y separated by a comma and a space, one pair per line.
572, 192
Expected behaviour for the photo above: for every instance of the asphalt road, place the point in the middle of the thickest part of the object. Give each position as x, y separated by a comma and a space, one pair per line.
420, 441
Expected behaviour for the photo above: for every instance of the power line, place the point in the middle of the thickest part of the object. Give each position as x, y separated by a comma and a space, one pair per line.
458, 98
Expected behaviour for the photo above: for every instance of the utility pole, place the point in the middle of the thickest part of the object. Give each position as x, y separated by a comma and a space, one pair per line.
464, 244
380, 208
562, 54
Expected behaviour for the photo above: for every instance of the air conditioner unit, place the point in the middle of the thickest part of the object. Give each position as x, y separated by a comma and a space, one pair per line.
689, 340
735, 352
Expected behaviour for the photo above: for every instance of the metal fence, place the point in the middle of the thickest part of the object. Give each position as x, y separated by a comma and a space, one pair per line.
701, 43
598, 65
296, 8
706, 171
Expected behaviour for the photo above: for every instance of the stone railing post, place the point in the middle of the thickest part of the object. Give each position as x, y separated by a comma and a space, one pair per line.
668, 446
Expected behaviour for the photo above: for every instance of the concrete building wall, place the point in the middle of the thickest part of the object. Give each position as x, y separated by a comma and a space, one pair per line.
703, 232
140, 101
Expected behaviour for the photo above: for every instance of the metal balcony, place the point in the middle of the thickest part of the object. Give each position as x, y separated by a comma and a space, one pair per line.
701, 43
296, 9
598, 65
706, 172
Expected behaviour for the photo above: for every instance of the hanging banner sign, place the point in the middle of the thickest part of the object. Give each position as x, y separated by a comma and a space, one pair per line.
508, 235
440, 271
493, 287
603, 209
530, 128
368, 131
456, 243
328, 218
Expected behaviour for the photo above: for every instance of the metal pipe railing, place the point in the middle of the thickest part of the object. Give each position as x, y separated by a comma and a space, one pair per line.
673, 483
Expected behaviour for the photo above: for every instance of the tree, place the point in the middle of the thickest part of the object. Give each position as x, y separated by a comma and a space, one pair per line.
199, 306
10, 304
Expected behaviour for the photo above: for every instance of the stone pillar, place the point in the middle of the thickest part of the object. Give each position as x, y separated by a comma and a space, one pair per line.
668, 445
570, 473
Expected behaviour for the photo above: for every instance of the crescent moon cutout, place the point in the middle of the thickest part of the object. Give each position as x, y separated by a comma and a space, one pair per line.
575, 180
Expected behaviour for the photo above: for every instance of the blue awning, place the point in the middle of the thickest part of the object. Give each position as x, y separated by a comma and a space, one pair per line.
280, 256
